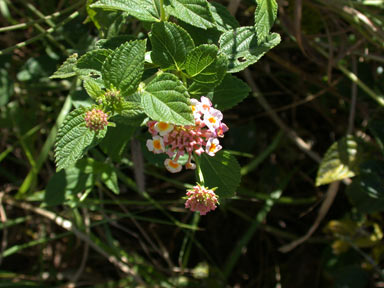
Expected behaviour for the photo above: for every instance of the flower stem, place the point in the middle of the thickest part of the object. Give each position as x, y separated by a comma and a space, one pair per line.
199, 173
162, 12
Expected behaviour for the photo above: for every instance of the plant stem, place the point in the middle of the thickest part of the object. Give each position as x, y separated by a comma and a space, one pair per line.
41, 35
199, 173
162, 11
49, 17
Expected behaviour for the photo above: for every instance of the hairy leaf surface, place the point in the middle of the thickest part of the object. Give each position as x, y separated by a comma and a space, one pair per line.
170, 45
166, 99
144, 10
93, 88
123, 69
193, 12
265, 16
131, 114
223, 19
66, 69
243, 49
89, 65
205, 65
74, 139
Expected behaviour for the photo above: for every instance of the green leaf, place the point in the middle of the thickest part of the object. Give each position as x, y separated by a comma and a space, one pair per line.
243, 49
101, 171
94, 88
230, 92
144, 10
205, 66
222, 171
166, 99
367, 190
109, 178
107, 22
131, 114
202, 36
223, 19
193, 12
74, 139
170, 45
265, 16
114, 42
124, 67
341, 161
90, 64
197, 89
372, 178
65, 185
55, 190
66, 69
113, 144
79, 98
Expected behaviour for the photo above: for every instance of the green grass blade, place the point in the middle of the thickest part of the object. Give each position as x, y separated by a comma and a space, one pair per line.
29, 180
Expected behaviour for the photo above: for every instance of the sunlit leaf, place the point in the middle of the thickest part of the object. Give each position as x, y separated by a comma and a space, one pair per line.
166, 99
74, 139
170, 45
66, 69
193, 12
265, 16
242, 47
124, 67
341, 161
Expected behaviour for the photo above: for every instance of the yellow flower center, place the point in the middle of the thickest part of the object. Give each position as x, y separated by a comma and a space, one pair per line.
157, 144
163, 126
173, 164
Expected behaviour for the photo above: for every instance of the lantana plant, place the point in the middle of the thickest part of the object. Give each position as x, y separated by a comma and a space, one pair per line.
174, 78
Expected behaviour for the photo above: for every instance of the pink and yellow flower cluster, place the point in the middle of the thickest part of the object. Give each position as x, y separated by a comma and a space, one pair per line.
177, 140
201, 199
96, 119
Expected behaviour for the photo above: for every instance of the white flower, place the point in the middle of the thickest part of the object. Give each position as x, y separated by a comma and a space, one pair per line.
190, 165
213, 145
172, 166
163, 128
206, 104
156, 145
213, 119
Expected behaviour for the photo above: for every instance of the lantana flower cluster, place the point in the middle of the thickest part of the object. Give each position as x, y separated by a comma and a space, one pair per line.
96, 119
177, 140
201, 199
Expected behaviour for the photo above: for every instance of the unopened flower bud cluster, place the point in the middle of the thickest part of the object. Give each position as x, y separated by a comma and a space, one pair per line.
177, 140
96, 119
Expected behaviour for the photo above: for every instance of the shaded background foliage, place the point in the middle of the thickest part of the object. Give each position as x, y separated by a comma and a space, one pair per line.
324, 81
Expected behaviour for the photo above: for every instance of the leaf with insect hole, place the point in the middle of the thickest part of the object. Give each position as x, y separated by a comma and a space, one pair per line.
243, 48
